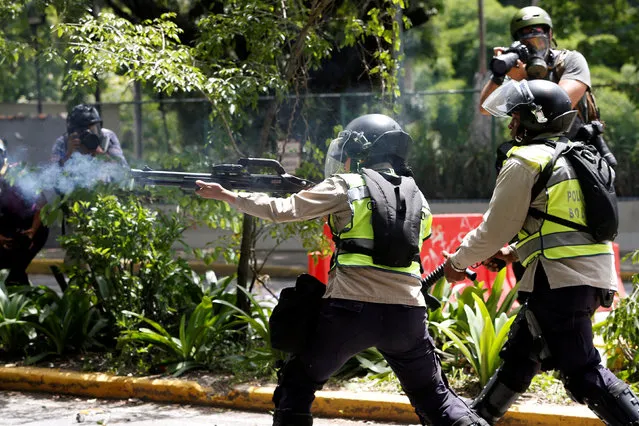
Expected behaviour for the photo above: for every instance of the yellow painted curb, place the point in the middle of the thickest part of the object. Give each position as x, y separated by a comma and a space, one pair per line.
364, 406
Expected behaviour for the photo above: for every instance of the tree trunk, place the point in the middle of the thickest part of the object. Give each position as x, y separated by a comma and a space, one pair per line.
243, 267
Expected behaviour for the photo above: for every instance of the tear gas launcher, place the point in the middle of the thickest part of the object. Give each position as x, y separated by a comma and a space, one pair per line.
231, 176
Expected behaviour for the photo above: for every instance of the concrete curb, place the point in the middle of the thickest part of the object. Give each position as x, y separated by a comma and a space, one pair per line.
42, 266
363, 406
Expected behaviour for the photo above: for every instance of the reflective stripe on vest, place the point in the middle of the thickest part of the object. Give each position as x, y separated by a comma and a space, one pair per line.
360, 228
565, 200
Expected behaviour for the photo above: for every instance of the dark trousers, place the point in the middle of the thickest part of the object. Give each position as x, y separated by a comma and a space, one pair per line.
18, 258
564, 316
399, 332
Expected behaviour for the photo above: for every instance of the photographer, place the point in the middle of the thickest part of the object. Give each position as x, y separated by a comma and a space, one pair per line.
22, 235
531, 57
86, 136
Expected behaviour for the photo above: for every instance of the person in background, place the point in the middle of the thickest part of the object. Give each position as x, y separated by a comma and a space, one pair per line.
86, 136
22, 234
532, 27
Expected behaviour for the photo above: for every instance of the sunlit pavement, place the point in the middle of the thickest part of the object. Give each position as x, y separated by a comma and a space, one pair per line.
31, 409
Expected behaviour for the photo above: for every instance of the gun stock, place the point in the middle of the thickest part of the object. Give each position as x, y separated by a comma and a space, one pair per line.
231, 176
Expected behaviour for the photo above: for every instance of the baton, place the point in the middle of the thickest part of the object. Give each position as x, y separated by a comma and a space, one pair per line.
431, 279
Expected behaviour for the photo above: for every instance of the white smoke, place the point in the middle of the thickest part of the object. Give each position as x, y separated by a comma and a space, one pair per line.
79, 171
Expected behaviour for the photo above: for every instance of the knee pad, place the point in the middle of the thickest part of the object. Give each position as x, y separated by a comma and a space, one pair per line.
609, 398
494, 400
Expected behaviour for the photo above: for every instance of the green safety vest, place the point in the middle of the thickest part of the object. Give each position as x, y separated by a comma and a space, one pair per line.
565, 200
360, 229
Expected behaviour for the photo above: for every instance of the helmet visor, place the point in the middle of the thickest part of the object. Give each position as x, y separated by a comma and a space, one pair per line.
507, 97
347, 145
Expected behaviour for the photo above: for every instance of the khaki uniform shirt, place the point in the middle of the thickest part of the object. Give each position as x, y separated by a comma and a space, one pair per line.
507, 214
365, 284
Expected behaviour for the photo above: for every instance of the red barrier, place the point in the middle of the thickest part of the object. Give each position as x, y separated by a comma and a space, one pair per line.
318, 264
448, 232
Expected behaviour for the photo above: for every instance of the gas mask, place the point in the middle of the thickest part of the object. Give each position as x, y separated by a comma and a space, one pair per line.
538, 44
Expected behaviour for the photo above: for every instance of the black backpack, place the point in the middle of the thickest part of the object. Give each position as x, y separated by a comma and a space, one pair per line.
596, 179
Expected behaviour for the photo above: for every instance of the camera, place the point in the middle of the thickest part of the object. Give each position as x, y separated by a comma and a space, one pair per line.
592, 133
89, 139
500, 65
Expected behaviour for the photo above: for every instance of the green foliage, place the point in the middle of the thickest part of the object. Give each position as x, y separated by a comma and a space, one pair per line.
254, 327
453, 308
123, 253
620, 332
473, 325
481, 346
15, 331
198, 333
70, 323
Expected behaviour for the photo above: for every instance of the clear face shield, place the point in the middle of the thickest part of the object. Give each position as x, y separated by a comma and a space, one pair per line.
342, 149
507, 97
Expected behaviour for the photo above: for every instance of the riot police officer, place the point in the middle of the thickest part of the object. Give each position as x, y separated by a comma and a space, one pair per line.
86, 136
531, 29
373, 297
568, 273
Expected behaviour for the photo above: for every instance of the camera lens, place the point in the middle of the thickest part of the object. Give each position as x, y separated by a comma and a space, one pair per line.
90, 140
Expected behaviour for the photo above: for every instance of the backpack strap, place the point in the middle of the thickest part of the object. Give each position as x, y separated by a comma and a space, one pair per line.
544, 176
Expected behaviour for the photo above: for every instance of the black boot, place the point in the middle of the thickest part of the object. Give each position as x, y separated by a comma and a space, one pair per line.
289, 418
620, 407
494, 400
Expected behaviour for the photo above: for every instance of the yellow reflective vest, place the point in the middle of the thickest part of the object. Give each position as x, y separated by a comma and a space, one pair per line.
360, 229
565, 200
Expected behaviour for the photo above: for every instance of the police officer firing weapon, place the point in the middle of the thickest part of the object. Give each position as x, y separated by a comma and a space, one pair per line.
379, 219
568, 273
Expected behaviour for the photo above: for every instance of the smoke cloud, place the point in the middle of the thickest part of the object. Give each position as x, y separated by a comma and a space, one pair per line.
79, 171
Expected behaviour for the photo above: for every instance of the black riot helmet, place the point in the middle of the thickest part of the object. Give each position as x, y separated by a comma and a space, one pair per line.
368, 139
543, 106
82, 116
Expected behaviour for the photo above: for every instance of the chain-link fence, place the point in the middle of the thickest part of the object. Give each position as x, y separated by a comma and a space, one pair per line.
453, 156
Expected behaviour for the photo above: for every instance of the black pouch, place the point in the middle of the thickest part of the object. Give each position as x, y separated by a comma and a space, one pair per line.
294, 318
607, 297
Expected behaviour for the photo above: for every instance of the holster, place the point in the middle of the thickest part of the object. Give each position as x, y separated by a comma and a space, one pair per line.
606, 297
294, 318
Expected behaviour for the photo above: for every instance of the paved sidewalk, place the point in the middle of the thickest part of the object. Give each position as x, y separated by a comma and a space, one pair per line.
362, 405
